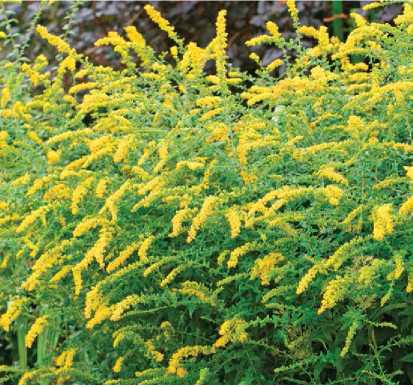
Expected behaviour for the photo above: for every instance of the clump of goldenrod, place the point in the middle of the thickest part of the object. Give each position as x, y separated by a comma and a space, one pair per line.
198, 224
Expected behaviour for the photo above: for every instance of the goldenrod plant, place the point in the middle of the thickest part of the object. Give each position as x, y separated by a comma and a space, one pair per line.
164, 225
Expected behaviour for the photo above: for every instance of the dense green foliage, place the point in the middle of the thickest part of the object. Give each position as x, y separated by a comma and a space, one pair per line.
160, 225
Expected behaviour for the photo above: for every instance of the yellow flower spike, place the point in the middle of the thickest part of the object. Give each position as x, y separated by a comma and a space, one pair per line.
373, 5
253, 56
154, 354
162, 23
118, 364
398, 268
234, 222
334, 292
79, 193
22, 180
122, 306
238, 253
330, 173
32, 217
307, 279
5, 97
178, 219
172, 275
232, 331
53, 157
333, 194
212, 113
54, 40
274, 65
144, 52
62, 273
354, 327
292, 9
144, 248
205, 212
77, 280
208, 101
13, 311
272, 28
358, 19
101, 188
103, 313
65, 359
220, 45
26, 377
259, 40
406, 208
383, 221
122, 257
3, 35
263, 267
35, 330
175, 362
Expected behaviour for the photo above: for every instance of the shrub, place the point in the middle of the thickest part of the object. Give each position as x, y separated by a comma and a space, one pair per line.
162, 225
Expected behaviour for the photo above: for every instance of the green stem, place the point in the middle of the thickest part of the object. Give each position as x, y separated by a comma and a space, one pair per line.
337, 8
21, 334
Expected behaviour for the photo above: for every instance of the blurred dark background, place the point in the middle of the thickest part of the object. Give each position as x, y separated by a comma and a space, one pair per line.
83, 22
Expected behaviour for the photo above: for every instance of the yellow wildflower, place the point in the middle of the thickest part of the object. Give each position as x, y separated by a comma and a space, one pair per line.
22, 180
334, 292
123, 256
383, 221
232, 331
58, 192
292, 9
77, 280
349, 338
62, 273
239, 252
253, 56
398, 268
122, 306
330, 173
178, 220
54, 40
212, 113
274, 64
175, 362
234, 222
195, 289
35, 330
32, 217
79, 193
101, 188
172, 274
306, 280
162, 23
406, 208
333, 194
5, 97
220, 44
14, 310
103, 313
118, 364
263, 267
153, 353
144, 248
65, 359
205, 212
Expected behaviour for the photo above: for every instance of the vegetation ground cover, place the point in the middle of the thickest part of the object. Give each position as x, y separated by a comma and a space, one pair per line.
162, 225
